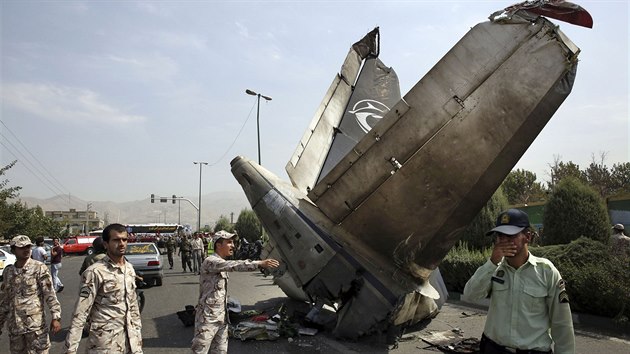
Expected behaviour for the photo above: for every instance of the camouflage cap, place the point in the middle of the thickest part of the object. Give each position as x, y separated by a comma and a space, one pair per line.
21, 241
222, 234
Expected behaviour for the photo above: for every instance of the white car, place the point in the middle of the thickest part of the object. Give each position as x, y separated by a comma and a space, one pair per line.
6, 259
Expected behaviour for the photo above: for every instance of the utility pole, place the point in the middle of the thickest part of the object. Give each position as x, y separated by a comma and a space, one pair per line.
87, 218
200, 163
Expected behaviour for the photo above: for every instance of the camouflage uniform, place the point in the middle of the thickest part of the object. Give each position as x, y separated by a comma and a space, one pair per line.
108, 296
22, 297
211, 319
170, 248
184, 250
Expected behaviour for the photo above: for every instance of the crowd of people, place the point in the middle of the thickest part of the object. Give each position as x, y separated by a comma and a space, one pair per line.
529, 308
107, 298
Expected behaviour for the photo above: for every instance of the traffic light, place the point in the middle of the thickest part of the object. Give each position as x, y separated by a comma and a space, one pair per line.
174, 196
152, 198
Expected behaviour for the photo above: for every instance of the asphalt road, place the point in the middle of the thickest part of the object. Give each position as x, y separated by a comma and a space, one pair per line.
163, 332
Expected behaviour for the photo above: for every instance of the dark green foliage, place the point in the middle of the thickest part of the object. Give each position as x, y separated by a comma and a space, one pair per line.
561, 170
620, 178
520, 187
598, 281
574, 210
17, 218
223, 224
10, 192
460, 264
248, 226
475, 234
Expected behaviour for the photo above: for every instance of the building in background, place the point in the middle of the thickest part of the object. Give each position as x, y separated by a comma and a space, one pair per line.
77, 222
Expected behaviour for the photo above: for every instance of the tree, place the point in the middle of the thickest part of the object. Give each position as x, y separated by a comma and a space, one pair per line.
223, 224
248, 226
561, 170
620, 178
7, 193
17, 218
475, 234
573, 210
520, 187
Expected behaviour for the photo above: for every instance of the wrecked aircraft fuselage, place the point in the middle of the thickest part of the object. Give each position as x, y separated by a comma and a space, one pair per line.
369, 216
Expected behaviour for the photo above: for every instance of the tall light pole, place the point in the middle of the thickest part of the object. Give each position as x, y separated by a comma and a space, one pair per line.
200, 163
87, 217
250, 92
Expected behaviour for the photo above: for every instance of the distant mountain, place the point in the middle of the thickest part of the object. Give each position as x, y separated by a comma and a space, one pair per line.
213, 205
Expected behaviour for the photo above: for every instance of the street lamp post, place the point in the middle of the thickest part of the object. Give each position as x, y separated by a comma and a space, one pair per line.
250, 92
200, 163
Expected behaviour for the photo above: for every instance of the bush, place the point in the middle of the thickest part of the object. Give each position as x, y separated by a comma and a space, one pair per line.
460, 264
598, 282
574, 210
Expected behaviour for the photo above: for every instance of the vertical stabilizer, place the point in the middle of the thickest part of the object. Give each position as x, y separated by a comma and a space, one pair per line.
312, 153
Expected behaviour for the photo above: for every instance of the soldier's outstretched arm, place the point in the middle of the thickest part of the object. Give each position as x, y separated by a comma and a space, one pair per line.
269, 263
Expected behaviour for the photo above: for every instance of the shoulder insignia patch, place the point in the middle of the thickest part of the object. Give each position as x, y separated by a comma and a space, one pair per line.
563, 297
85, 292
561, 284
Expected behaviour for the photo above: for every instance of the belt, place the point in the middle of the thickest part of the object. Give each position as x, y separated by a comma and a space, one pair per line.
488, 346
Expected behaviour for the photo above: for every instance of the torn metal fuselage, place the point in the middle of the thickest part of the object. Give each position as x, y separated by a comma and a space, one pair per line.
370, 232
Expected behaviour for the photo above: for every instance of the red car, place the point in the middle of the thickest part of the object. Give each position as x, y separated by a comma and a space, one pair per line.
78, 244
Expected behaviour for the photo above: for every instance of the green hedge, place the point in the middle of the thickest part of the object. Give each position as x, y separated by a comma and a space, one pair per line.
597, 282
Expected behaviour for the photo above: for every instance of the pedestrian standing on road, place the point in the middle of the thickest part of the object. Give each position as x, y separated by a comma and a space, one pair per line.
197, 255
27, 285
108, 298
170, 248
211, 315
184, 251
39, 253
56, 253
529, 306
99, 252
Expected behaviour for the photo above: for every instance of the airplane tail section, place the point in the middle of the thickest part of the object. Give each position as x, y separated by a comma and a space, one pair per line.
429, 166
360, 95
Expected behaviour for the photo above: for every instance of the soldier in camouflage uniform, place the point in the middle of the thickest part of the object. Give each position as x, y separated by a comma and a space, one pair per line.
108, 298
184, 250
211, 319
170, 248
27, 284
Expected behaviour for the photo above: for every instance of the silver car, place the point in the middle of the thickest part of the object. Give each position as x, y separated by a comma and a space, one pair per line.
6, 258
146, 259
48, 249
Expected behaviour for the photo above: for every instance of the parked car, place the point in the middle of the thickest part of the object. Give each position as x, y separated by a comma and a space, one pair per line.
47, 248
146, 259
6, 258
78, 244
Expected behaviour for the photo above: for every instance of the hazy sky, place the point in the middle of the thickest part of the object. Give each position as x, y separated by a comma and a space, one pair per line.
114, 100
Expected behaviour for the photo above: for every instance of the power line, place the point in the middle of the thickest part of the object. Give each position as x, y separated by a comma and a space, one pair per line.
55, 193
63, 188
236, 138
58, 191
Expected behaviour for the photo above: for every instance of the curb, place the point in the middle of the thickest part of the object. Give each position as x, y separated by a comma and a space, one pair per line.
581, 321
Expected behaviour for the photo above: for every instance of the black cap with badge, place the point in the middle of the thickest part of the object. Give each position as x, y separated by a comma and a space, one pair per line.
511, 222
